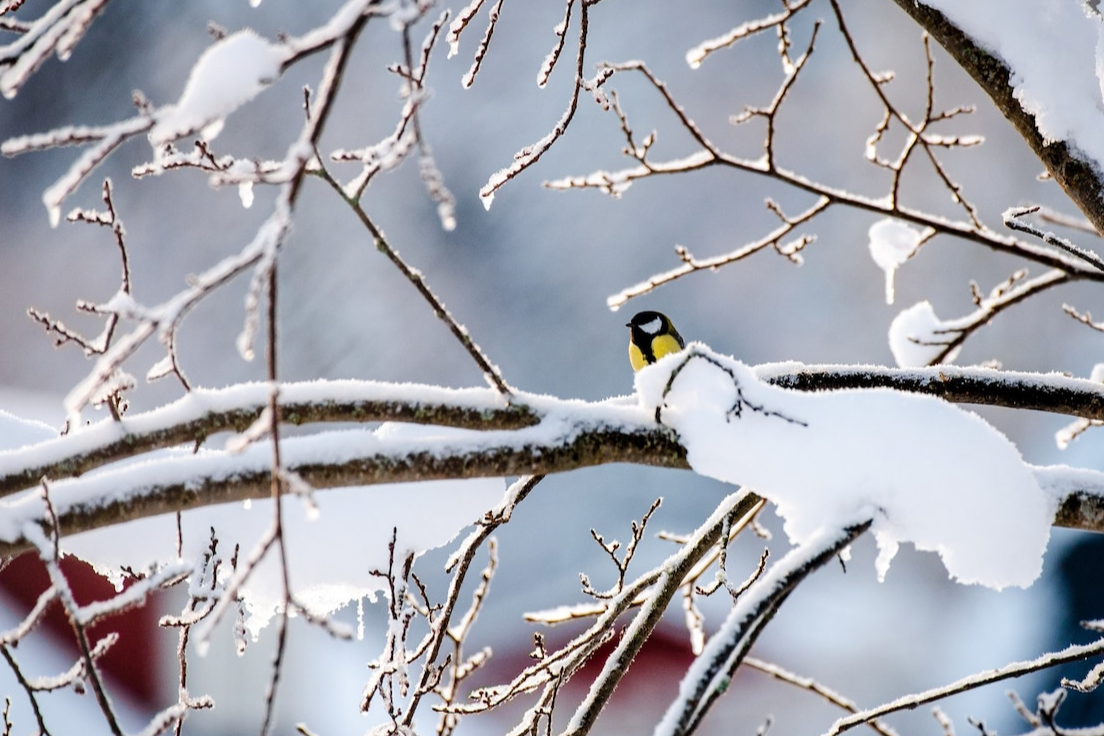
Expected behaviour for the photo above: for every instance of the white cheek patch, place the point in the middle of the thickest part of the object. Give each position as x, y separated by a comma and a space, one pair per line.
653, 326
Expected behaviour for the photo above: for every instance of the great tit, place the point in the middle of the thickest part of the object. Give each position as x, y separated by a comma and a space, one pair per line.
651, 336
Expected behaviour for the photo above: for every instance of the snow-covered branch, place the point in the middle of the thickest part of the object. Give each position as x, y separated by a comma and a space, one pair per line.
1077, 174
570, 435
1050, 392
834, 449
1072, 653
486, 438
203, 413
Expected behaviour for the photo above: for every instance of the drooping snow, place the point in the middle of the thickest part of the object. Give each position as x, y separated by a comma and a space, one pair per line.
924, 470
917, 336
230, 73
335, 537
892, 242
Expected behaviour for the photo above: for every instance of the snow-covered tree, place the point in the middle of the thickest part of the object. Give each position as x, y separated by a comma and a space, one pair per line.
265, 420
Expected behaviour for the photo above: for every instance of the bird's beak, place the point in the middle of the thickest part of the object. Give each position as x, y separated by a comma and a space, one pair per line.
628, 324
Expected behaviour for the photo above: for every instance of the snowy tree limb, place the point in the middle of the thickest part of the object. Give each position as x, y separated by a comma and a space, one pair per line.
712, 672
1049, 392
534, 434
574, 436
203, 413
1072, 653
180, 483
1078, 178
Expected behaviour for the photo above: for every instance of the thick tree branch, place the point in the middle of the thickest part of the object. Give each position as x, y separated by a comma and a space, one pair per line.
535, 435
1078, 178
183, 483
1054, 393
202, 413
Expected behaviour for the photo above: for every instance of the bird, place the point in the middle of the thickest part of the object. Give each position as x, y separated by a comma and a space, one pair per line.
651, 336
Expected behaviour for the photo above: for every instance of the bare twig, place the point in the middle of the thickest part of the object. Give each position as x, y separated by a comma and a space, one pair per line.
120, 306
808, 683
490, 371
611, 549
1013, 218
1071, 653
530, 154
691, 264
918, 134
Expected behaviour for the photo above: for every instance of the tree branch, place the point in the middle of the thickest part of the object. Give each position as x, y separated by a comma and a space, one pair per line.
181, 483
1078, 177
536, 435
968, 385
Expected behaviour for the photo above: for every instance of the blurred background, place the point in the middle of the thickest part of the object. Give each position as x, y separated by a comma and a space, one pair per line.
529, 278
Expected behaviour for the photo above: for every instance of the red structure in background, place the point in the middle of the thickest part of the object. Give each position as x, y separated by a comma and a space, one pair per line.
132, 663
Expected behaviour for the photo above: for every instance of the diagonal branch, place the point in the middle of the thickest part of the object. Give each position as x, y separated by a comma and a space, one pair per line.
1072, 653
1078, 177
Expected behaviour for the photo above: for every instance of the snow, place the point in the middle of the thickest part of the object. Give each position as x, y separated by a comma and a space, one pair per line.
334, 540
335, 537
892, 242
230, 73
16, 431
924, 470
1043, 41
712, 664
917, 336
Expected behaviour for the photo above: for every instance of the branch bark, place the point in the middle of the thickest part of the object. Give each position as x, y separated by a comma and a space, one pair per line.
188, 482
1078, 177
1051, 392
531, 435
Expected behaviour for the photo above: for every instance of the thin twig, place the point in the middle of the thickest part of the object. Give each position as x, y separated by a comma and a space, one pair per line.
1071, 653
1013, 219
490, 371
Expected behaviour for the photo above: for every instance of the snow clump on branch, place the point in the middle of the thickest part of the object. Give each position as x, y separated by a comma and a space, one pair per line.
924, 470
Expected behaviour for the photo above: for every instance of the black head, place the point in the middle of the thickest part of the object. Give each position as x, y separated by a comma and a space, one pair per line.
648, 323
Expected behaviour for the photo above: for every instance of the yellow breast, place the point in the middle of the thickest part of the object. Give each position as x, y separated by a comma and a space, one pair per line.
661, 345
664, 345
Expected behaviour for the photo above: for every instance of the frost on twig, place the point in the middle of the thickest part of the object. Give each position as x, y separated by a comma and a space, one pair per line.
918, 337
1013, 218
652, 592
80, 618
712, 671
57, 31
407, 137
484, 44
1072, 653
553, 56
530, 154
917, 134
698, 54
920, 139
620, 563
229, 74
